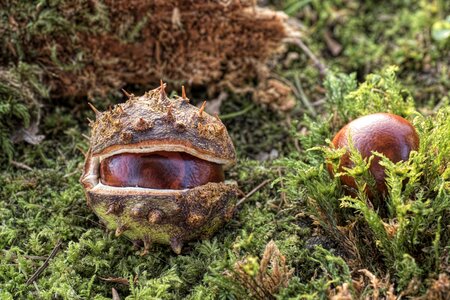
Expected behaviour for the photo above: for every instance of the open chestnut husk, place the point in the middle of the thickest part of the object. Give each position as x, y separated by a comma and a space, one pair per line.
155, 170
388, 134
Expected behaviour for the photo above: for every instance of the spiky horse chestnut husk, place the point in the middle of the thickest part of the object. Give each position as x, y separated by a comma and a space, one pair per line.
140, 130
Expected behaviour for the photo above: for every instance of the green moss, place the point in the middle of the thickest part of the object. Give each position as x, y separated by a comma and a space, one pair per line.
326, 237
20, 94
374, 34
417, 204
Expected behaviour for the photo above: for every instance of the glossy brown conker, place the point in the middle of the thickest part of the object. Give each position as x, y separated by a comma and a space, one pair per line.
159, 170
386, 133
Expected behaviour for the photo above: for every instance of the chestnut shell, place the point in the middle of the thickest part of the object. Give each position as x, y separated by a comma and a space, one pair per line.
171, 213
166, 218
155, 121
386, 133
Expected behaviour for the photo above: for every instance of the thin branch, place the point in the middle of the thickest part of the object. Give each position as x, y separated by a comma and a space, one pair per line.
120, 280
237, 113
304, 98
21, 165
45, 264
262, 184
319, 65
283, 193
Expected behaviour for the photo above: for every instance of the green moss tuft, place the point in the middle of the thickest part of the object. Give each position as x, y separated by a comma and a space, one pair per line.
406, 239
20, 94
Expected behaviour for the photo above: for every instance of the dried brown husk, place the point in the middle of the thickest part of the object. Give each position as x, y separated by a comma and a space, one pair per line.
91, 48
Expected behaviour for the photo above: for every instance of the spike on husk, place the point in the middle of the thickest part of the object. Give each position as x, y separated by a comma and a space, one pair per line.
202, 108
127, 94
162, 90
183, 94
96, 111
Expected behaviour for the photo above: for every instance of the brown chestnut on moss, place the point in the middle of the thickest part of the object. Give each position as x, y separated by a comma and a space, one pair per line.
386, 133
155, 170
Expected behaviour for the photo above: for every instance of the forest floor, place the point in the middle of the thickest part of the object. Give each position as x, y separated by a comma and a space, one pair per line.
388, 57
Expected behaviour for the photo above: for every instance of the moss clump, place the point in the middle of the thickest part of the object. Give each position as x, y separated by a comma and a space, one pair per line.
365, 36
405, 238
95, 48
20, 94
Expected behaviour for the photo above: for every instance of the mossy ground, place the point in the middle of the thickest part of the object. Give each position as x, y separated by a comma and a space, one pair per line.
336, 244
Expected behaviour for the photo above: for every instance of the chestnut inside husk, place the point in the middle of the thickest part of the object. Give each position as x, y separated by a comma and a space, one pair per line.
155, 170
159, 170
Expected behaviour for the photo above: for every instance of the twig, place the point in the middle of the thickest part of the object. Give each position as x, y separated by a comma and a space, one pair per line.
21, 165
304, 98
70, 174
262, 184
120, 280
237, 113
319, 102
319, 65
283, 193
45, 264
